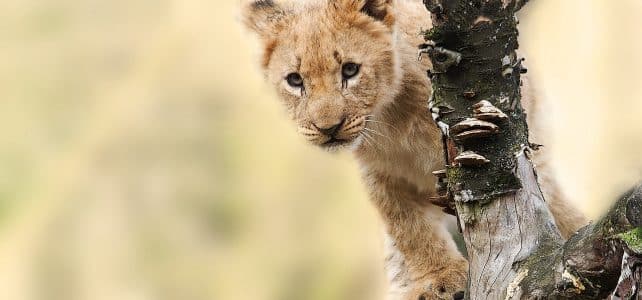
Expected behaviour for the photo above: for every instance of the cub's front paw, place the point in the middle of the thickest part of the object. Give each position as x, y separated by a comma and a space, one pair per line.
445, 284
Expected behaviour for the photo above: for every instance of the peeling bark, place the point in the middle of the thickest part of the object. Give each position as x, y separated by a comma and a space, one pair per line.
514, 248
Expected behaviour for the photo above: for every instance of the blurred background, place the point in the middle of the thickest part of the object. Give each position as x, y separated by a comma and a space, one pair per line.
143, 157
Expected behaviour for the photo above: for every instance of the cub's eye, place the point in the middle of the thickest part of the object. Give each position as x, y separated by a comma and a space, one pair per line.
349, 70
294, 80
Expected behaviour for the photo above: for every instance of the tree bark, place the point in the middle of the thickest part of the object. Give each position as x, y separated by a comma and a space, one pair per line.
514, 248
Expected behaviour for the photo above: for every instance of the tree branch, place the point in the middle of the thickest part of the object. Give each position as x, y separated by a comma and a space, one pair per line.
514, 248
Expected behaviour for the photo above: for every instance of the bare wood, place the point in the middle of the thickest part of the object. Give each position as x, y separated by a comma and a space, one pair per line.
508, 230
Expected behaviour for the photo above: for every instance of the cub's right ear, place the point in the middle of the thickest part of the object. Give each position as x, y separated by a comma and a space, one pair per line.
263, 16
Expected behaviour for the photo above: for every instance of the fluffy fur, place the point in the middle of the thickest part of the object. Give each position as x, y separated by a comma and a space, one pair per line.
382, 117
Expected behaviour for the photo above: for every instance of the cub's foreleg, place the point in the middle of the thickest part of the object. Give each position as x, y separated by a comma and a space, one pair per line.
422, 259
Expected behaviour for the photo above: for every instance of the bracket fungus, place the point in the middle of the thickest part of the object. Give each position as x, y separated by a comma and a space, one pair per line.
473, 128
471, 159
484, 110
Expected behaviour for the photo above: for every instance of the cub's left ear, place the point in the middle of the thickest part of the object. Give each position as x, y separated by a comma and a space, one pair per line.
380, 10
263, 16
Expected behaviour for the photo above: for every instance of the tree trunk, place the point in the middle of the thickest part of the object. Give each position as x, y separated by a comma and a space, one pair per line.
514, 248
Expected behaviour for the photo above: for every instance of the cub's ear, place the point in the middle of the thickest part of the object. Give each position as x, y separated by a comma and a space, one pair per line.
380, 10
263, 16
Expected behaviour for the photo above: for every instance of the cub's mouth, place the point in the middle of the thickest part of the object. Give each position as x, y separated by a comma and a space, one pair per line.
335, 142
345, 134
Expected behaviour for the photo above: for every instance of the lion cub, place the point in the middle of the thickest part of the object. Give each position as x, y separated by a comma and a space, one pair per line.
347, 71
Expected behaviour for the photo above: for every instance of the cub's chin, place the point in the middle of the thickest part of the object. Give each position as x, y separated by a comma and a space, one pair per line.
334, 144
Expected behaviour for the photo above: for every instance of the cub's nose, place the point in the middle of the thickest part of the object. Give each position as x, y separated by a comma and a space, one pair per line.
330, 131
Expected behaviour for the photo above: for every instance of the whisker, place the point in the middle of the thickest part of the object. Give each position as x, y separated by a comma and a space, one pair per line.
366, 139
371, 139
377, 133
381, 122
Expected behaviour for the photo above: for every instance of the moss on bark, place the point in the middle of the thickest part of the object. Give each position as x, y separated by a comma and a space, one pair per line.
633, 239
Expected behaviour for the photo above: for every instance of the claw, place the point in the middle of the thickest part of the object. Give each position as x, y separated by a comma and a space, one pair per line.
425, 49
444, 128
440, 173
421, 52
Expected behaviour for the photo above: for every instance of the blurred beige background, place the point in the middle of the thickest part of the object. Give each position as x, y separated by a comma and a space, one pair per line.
144, 158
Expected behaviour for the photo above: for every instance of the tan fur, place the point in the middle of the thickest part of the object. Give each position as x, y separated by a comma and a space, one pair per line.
386, 122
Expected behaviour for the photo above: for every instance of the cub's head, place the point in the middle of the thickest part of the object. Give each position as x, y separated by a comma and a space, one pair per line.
333, 63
